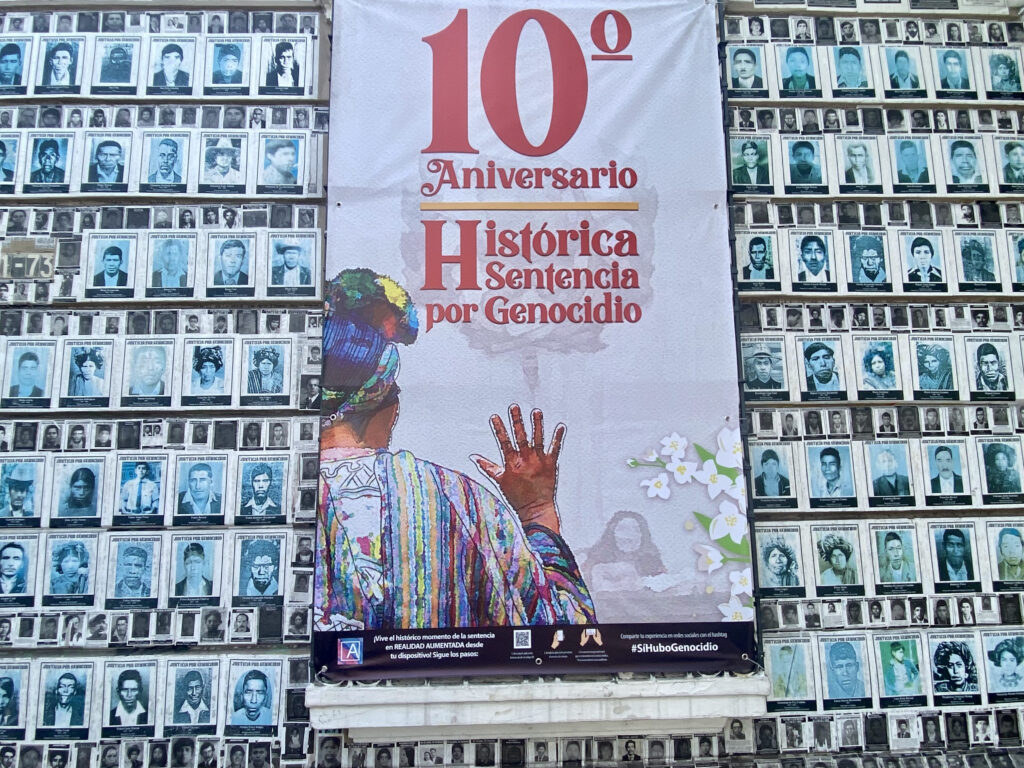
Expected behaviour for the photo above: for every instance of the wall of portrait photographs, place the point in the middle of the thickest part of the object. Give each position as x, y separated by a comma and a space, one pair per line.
875, 152
160, 270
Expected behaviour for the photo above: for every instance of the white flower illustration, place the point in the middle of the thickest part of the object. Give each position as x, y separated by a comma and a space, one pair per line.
734, 610
658, 487
674, 445
728, 522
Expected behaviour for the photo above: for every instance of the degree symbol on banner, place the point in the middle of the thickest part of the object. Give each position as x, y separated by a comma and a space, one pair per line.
599, 36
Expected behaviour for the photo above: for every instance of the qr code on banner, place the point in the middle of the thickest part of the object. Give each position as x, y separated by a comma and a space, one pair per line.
521, 639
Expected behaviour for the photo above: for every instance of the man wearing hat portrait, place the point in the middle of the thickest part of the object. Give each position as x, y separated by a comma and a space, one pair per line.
207, 362
170, 74
49, 170
820, 362
759, 369
221, 159
264, 378
228, 71
290, 271
18, 484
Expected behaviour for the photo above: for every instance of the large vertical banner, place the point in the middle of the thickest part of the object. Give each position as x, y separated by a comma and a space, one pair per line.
530, 453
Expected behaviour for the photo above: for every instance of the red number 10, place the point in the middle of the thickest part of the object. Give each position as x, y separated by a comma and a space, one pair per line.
450, 130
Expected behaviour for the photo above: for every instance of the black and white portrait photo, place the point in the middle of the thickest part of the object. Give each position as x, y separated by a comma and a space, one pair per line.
263, 483
60, 65
911, 164
750, 159
1001, 469
21, 490
282, 66
195, 575
779, 568
764, 372
132, 569
267, 368
211, 362
955, 74
228, 61
773, 476
955, 562
192, 697
27, 375
141, 480
116, 66
797, 71
258, 567
851, 72
292, 265
65, 692
78, 491
112, 266
924, 269
812, 254
129, 705
946, 482
990, 368
224, 164
200, 488
746, 71
905, 79
87, 383
230, 259
146, 379
977, 263
171, 66
965, 164
254, 690
165, 162
838, 560
15, 58
18, 565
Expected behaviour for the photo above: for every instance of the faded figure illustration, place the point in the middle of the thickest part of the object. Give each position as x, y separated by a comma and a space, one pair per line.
405, 542
624, 567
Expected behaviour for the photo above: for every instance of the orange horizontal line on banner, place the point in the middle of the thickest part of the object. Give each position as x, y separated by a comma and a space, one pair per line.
512, 206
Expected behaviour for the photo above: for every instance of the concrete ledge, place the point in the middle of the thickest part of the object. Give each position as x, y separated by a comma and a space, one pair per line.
549, 707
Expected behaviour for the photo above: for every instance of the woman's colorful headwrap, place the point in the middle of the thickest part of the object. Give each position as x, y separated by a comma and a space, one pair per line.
367, 314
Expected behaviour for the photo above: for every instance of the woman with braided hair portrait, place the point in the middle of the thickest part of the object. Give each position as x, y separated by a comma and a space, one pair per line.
265, 377
404, 542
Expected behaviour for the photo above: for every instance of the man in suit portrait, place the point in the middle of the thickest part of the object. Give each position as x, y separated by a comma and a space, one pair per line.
860, 171
946, 481
284, 70
171, 268
200, 498
194, 583
111, 274
65, 705
903, 78
170, 74
10, 64
129, 709
107, 165
232, 257
49, 170
753, 171
1013, 170
744, 68
228, 72
955, 79
166, 160
771, 482
954, 565
888, 481
289, 271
